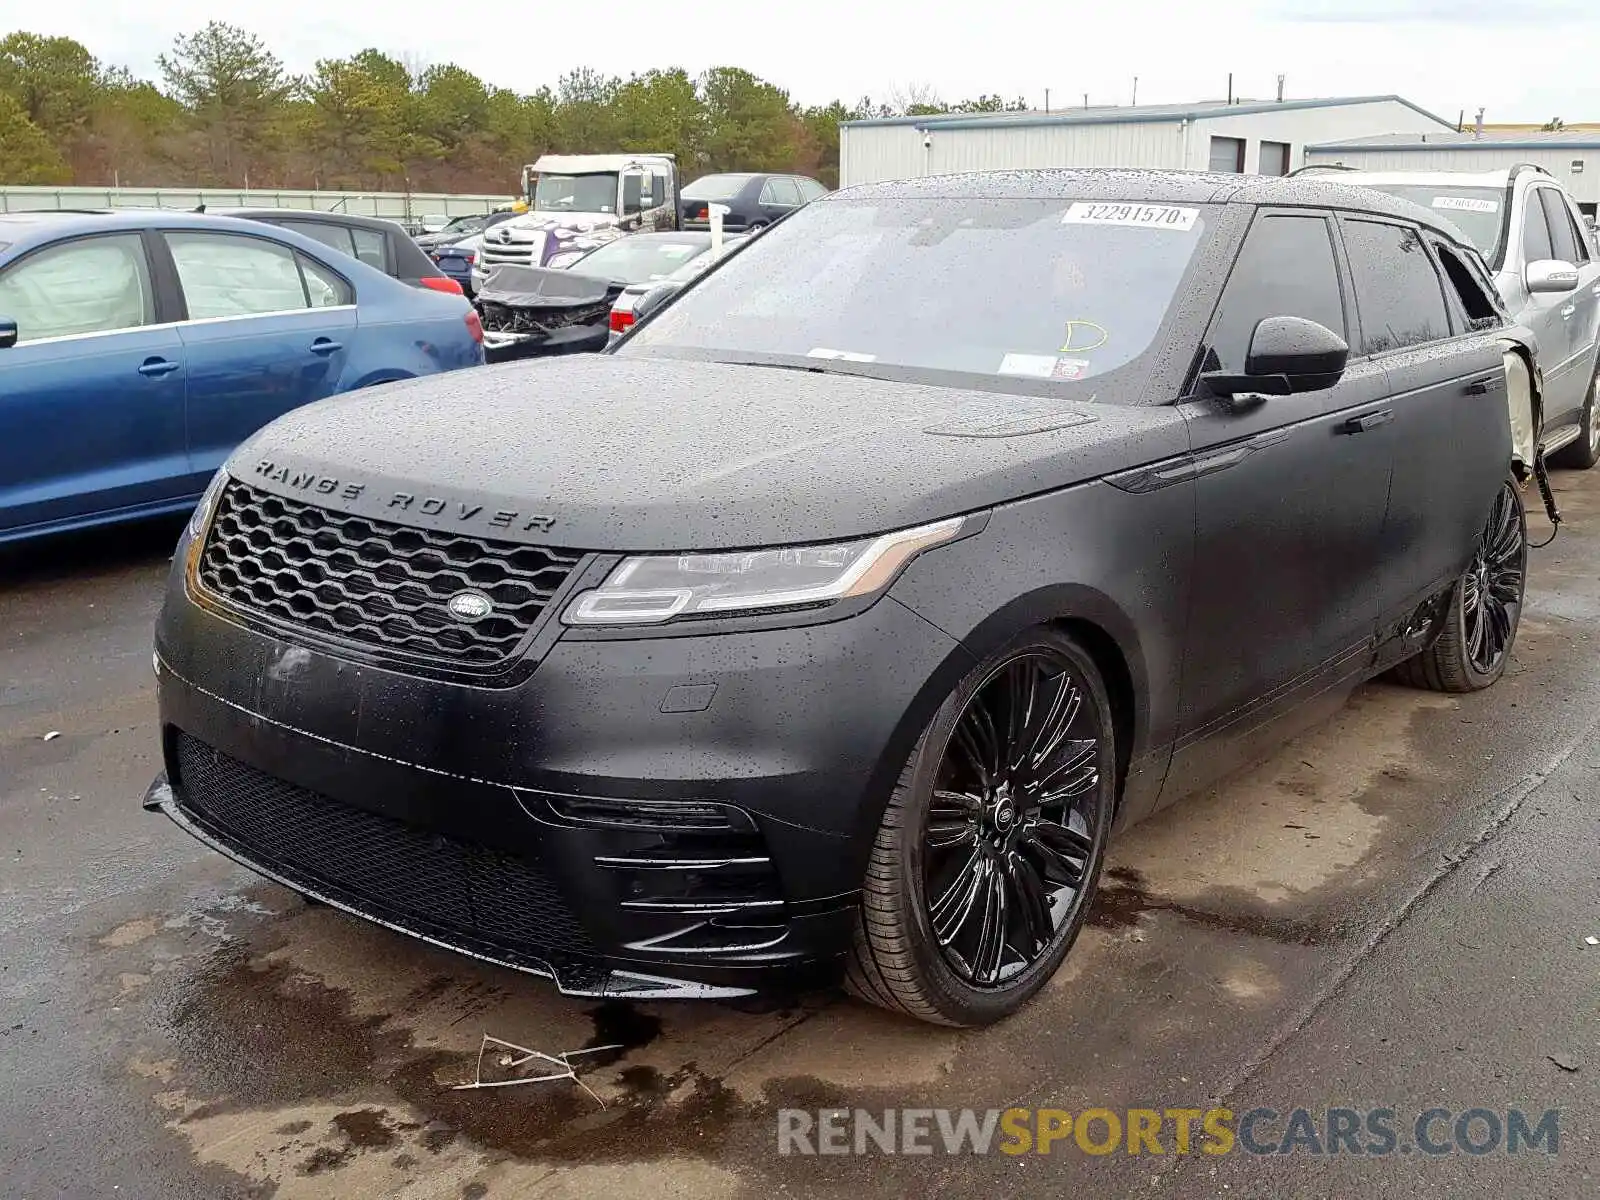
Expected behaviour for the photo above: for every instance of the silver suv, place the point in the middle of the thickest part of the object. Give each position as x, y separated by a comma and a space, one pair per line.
1545, 268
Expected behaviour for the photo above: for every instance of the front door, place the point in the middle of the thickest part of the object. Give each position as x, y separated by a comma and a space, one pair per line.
268, 331
92, 394
1551, 316
1290, 497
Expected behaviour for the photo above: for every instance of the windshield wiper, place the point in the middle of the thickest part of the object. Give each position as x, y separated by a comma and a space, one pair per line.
777, 366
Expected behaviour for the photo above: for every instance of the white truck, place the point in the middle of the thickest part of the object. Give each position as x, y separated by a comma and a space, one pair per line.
579, 201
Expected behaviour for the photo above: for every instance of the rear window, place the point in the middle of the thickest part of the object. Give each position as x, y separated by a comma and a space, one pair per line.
1476, 211
716, 187
1031, 289
639, 260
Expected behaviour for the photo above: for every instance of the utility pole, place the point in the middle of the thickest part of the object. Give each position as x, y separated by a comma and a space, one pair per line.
1136, 91
1047, 99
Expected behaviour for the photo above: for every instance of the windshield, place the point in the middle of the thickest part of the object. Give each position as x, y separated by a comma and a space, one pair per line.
1022, 288
716, 187
464, 225
575, 193
639, 259
1473, 210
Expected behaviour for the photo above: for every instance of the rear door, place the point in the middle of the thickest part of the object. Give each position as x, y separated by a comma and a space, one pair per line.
780, 196
92, 394
267, 331
1290, 496
1452, 434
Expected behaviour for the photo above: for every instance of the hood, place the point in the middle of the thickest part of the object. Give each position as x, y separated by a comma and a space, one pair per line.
543, 287
617, 453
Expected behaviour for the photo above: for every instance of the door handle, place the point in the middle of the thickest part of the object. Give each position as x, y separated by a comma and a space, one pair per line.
1484, 384
324, 346
1370, 421
154, 368
1568, 311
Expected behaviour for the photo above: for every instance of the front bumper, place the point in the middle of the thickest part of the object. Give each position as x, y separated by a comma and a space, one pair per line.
660, 817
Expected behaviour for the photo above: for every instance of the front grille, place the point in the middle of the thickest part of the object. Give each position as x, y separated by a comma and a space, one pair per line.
369, 582
437, 885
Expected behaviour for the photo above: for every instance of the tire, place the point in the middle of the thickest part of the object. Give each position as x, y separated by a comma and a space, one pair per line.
973, 896
1585, 452
1485, 603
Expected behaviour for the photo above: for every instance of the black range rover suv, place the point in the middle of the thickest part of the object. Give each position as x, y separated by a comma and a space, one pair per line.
832, 621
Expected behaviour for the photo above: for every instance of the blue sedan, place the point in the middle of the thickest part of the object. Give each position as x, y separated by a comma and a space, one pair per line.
138, 348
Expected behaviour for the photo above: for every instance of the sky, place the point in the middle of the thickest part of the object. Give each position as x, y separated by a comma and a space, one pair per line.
1521, 60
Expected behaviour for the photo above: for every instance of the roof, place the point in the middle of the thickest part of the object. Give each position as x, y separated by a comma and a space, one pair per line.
356, 220
1151, 187
1563, 139
584, 164
1118, 114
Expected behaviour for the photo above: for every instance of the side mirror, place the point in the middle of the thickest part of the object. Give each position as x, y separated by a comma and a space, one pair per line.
1286, 355
8, 333
655, 298
1551, 276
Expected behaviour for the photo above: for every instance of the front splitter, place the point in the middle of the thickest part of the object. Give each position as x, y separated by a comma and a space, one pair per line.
617, 984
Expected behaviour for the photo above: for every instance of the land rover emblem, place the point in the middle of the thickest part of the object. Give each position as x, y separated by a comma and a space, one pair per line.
469, 607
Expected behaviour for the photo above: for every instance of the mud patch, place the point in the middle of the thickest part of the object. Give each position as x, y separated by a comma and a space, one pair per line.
131, 933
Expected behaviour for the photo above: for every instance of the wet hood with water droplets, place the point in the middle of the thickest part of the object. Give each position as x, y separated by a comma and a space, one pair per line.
630, 453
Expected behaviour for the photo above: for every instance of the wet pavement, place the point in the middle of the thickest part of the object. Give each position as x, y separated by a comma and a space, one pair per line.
1391, 912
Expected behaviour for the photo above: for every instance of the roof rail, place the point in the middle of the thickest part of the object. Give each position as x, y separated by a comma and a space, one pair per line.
1309, 168
1519, 168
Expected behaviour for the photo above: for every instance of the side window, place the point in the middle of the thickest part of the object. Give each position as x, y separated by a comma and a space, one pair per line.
1536, 243
371, 248
1263, 285
226, 275
336, 237
1477, 305
324, 289
1562, 240
632, 189
92, 285
1397, 290
769, 192
810, 190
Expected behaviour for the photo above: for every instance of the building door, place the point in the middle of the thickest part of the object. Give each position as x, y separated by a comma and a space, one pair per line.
1227, 155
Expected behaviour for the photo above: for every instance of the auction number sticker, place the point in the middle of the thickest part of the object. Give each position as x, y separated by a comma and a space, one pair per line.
1466, 204
1143, 216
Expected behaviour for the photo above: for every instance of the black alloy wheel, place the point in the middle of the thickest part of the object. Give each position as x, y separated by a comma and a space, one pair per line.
991, 847
1485, 608
1491, 591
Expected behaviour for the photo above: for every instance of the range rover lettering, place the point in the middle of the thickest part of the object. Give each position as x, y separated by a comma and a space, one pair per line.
886, 571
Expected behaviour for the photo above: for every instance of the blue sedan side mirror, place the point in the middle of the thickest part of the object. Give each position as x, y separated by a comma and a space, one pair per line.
8, 333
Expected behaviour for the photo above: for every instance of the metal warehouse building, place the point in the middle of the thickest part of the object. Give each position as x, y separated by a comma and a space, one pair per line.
1571, 156
1258, 137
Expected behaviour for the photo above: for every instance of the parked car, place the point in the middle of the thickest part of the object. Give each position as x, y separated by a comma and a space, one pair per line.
457, 259
834, 619
626, 308
138, 348
380, 244
754, 200
1547, 272
531, 311
461, 228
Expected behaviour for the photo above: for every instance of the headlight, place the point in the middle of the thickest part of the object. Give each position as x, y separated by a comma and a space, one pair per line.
208, 504
565, 259
649, 589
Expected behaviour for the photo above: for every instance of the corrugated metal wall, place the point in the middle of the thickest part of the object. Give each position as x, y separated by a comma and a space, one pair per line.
870, 153
397, 206
1584, 184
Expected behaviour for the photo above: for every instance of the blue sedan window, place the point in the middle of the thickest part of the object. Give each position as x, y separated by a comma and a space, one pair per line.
92, 285
224, 275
